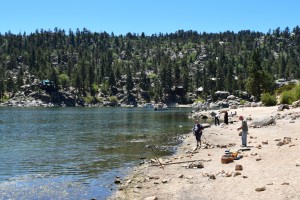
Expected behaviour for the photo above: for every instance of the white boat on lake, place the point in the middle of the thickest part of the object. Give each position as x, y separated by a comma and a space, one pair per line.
148, 105
160, 106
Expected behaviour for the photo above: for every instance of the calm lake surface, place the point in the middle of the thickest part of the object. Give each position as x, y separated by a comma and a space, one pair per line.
75, 153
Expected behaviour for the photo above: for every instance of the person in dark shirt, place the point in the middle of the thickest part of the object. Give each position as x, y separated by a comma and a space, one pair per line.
226, 117
197, 130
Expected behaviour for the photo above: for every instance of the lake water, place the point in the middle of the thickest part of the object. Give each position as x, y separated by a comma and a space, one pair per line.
75, 153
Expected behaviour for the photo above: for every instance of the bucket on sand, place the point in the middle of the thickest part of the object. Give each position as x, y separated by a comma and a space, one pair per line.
226, 160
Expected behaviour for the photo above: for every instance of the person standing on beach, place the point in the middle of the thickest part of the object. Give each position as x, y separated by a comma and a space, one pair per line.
217, 121
197, 130
244, 128
226, 117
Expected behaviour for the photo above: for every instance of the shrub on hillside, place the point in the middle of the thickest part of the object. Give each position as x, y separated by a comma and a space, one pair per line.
296, 93
88, 99
268, 99
283, 88
242, 102
286, 97
113, 99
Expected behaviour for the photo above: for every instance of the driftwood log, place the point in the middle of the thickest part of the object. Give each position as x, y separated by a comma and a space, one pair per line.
173, 163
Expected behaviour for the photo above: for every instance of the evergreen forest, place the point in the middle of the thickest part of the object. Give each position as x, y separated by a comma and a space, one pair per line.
175, 67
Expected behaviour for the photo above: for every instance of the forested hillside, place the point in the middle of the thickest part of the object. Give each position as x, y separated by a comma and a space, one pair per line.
133, 68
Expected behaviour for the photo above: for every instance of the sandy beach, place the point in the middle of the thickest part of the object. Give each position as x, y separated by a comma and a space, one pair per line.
270, 165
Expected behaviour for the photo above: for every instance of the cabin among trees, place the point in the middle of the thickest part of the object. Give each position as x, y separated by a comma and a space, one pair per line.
47, 85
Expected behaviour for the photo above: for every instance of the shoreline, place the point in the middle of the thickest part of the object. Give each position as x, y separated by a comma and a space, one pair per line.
266, 165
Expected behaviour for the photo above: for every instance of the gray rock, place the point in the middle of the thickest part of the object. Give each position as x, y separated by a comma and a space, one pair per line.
231, 97
296, 104
283, 106
263, 121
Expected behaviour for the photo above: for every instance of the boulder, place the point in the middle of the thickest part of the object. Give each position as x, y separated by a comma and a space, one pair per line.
233, 106
296, 104
222, 94
231, 97
253, 104
263, 121
283, 106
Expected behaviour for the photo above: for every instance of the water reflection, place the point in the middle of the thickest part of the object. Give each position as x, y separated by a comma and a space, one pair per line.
79, 150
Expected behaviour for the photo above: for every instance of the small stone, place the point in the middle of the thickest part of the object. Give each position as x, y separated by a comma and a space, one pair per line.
136, 190
154, 177
151, 198
258, 159
265, 142
142, 162
245, 176
164, 181
270, 184
212, 176
180, 176
291, 145
277, 140
185, 165
238, 167
297, 165
237, 173
138, 186
196, 165
280, 143
228, 174
117, 181
287, 140
285, 183
260, 189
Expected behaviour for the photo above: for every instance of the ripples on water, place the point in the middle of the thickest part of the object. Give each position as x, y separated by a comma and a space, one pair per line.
75, 153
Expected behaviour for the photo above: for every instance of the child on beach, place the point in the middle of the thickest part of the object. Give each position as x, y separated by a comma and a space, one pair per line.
197, 130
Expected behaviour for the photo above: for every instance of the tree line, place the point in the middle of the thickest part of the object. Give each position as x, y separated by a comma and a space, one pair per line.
158, 64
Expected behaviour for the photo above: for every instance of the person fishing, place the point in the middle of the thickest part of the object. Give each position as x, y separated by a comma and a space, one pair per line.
197, 130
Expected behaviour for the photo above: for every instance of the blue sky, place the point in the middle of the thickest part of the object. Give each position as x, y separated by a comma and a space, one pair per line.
150, 17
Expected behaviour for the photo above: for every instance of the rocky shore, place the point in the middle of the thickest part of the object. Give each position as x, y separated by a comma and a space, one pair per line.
269, 168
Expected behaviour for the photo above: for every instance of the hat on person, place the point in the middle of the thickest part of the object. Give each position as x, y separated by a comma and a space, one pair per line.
241, 117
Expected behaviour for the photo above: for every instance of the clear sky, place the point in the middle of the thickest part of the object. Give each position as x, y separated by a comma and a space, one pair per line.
148, 16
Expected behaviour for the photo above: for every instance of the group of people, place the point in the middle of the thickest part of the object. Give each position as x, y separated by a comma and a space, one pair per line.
198, 129
217, 116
